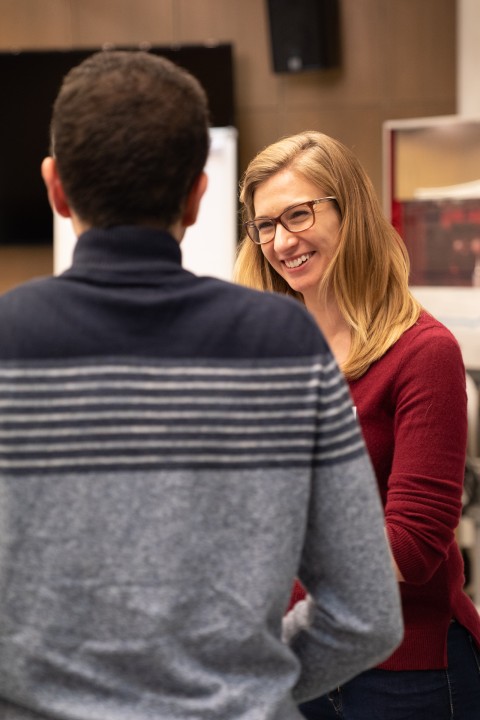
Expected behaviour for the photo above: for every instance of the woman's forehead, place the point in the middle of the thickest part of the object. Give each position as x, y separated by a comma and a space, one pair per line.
281, 190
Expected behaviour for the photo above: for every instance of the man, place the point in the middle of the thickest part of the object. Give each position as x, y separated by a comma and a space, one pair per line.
174, 450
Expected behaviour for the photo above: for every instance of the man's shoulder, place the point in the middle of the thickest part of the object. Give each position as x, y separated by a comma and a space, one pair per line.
18, 298
26, 288
283, 320
268, 303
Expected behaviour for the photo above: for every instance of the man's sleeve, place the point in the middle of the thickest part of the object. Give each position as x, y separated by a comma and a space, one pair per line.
351, 619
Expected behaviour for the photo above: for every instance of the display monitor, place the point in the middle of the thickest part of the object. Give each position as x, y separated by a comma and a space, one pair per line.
29, 83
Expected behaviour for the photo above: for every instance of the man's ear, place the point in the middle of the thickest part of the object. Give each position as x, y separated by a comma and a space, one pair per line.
55, 191
192, 205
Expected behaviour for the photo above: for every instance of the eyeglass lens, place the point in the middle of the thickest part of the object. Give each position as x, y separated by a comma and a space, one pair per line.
294, 219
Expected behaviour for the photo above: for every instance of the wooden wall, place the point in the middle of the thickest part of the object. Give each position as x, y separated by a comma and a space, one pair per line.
398, 61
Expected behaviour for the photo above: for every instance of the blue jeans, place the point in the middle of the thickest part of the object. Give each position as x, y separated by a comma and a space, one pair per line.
451, 694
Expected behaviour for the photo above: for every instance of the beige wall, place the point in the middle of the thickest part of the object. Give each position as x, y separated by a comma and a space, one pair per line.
436, 156
398, 61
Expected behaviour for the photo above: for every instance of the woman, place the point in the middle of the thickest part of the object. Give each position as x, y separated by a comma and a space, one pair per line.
315, 230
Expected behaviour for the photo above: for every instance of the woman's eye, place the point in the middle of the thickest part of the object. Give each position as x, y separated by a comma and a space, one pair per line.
298, 215
264, 226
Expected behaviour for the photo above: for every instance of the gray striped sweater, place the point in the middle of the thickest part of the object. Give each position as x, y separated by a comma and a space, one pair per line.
174, 450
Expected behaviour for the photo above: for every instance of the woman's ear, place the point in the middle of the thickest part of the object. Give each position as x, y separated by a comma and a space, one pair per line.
192, 206
55, 191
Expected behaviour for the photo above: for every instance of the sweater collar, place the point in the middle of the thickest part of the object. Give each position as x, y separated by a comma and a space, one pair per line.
124, 250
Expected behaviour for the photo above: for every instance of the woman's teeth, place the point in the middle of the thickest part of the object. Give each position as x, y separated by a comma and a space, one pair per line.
298, 261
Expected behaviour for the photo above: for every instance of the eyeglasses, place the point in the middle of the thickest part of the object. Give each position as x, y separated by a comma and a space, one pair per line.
294, 219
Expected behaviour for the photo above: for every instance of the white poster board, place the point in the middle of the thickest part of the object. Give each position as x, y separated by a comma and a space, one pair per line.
459, 309
209, 246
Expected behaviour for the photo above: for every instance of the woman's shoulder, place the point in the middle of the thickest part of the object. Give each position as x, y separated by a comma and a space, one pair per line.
427, 349
427, 322
427, 329
426, 346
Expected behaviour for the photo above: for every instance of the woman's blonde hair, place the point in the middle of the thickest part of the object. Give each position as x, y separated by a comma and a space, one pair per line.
368, 274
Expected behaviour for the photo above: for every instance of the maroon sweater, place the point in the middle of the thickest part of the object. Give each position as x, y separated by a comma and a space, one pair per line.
411, 405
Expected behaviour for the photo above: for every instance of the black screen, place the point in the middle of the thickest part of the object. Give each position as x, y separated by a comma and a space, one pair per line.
29, 83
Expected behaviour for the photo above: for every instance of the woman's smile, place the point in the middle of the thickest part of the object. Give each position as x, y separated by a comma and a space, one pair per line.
297, 262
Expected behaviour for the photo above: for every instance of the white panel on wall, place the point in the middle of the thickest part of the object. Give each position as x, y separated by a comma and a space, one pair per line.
468, 57
209, 246
459, 309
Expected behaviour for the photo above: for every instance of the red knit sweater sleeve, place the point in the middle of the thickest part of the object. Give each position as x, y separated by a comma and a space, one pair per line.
412, 408
298, 593
424, 494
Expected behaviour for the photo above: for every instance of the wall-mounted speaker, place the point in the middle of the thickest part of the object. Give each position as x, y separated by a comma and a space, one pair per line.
304, 34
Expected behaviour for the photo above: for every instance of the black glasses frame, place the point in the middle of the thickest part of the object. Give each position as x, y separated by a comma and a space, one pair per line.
252, 229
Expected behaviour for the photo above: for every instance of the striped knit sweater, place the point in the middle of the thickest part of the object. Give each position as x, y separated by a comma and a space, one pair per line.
174, 450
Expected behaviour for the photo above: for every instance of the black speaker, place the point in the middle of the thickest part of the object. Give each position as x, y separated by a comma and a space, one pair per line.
304, 34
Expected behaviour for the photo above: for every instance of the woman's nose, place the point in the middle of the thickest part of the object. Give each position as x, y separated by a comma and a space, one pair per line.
284, 238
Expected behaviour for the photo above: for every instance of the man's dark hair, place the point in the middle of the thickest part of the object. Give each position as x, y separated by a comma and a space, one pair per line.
130, 134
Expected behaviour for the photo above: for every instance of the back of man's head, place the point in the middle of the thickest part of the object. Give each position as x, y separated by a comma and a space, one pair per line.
130, 136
